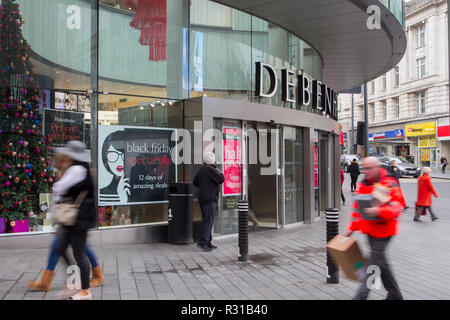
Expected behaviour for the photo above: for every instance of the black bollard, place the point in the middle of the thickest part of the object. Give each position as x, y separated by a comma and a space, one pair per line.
332, 219
243, 230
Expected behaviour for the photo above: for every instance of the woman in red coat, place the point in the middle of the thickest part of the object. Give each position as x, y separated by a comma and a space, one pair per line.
425, 190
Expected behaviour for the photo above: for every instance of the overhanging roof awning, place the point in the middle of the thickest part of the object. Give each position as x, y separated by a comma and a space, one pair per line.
337, 29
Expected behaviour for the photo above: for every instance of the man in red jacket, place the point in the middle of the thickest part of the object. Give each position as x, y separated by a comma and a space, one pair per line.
424, 200
380, 225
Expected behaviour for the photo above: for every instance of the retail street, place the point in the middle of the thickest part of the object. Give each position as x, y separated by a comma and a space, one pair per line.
284, 264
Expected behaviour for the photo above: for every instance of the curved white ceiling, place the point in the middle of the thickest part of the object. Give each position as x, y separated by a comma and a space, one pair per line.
352, 54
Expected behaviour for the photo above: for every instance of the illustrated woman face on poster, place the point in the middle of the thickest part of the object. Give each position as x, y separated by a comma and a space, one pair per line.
113, 157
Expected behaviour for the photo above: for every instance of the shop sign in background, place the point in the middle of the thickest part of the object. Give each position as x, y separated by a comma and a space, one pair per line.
63, 126
134, 165
420, 129
232, 161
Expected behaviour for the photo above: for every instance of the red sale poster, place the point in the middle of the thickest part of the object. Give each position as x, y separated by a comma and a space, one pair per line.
316, 168
232, 161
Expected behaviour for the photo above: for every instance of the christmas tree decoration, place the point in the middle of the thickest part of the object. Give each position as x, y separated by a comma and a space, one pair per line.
22, 174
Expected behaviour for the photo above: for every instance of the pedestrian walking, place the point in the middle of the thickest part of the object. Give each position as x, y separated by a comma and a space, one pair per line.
443, 164
207, 181
342, 183
353, 169
379, 222
394, 171
76, 180
425, 191
49, 273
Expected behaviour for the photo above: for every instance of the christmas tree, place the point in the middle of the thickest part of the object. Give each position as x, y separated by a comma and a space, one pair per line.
24, 161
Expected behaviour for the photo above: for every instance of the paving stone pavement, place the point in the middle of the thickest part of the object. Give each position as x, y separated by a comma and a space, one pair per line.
284, 264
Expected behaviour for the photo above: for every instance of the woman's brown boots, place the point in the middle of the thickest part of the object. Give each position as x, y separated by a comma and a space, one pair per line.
47, 278
44, 283
97, 277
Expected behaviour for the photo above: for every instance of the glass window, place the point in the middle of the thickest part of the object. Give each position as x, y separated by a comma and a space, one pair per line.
397, 107
420, 64
220, 51
384, 105
420, 36
372, 87
396, 77
383, 80
59, 36
142, 54
134, 144
372, 109
421, 102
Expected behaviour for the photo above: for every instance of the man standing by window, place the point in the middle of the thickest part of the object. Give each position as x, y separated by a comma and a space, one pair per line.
207, 181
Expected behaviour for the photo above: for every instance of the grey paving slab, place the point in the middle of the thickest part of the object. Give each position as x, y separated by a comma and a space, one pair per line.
284, 264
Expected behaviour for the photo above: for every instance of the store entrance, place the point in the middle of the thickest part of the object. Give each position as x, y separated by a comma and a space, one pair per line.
261, 175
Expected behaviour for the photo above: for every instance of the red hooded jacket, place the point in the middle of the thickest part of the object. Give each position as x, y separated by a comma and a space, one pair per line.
388, 213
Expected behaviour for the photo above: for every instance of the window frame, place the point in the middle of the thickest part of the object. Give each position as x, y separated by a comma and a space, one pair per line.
397, 107
420, 36
421, 108
420, 66
396, 77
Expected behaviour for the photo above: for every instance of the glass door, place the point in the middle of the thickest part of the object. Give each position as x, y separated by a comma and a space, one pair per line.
262, 183
292, 162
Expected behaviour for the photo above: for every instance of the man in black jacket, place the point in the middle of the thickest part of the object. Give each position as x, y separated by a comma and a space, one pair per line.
393, 171
207, 181
354, 173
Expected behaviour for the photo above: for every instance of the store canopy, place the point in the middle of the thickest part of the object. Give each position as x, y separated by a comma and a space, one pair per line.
337, 29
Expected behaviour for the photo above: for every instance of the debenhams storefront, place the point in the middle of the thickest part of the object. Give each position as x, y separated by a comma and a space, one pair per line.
150, 85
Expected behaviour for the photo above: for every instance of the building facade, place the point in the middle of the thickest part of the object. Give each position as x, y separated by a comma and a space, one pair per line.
149, 86
408, 107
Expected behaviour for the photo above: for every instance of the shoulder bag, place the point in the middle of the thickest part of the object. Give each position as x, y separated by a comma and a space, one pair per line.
66, 213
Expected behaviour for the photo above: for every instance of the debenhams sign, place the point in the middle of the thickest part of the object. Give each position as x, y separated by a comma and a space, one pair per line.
307, 91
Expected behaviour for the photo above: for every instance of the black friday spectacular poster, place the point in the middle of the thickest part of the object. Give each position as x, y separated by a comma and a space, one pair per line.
135, 164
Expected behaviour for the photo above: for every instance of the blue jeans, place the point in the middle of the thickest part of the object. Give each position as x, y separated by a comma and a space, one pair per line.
209, 212
54, 256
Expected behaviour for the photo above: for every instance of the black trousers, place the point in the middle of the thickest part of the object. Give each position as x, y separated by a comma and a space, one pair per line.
342, 195
77, 240
421, 209
354, 181
378, 258
209, 212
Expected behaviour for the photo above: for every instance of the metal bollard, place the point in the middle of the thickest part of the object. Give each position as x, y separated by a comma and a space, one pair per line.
243, 230
332, 219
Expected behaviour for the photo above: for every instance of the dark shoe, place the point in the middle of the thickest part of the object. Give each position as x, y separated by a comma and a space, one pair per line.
204, 247
417, 220
210, 245
394, 296
434, 219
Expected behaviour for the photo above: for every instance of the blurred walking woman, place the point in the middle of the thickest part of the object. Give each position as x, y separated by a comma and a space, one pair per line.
76, 179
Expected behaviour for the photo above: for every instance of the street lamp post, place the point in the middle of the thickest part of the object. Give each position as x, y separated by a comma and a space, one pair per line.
366, 121
448, 55
353, 130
